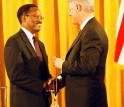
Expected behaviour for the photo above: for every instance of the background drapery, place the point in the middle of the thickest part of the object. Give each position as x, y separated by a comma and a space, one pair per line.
57, 33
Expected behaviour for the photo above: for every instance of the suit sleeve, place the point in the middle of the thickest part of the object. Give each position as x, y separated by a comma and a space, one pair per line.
17, 74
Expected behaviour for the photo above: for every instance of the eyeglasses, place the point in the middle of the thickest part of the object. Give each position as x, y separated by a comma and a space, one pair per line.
35, 16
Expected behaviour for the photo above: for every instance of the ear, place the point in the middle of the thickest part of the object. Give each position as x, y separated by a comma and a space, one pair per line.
79, 7
23, 18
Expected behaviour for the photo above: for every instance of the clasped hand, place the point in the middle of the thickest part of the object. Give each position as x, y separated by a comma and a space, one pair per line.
52, 85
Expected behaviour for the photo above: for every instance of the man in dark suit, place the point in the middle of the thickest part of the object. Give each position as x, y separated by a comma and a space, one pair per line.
83, 69
27, 67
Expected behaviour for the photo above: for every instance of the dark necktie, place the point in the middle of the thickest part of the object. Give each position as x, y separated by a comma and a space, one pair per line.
37, 48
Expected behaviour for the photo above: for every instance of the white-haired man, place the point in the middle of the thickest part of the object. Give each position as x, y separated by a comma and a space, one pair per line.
83, 69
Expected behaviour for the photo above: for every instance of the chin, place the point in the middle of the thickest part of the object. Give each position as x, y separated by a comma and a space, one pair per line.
74, 22
37, 30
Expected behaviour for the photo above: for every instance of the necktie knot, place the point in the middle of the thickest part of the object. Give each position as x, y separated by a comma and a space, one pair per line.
35, 39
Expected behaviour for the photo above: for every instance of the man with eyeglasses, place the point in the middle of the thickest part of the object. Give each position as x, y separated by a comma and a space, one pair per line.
26, 62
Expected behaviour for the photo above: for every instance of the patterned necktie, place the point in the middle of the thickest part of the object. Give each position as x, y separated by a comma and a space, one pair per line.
37, 48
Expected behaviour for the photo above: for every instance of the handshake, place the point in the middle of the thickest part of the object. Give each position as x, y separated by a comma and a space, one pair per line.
53, 85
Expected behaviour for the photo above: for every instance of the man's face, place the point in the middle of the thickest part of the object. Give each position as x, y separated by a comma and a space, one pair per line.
73, 12
33, 20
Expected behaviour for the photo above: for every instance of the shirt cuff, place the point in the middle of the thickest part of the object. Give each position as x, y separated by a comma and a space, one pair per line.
59, 77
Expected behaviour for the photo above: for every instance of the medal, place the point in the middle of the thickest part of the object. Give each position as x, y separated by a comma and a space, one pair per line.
55, 104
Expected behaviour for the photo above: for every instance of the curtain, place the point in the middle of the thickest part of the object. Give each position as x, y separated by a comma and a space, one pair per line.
57, 33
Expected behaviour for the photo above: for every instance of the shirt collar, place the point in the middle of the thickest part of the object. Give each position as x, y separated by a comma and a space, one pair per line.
28, 33
85, 22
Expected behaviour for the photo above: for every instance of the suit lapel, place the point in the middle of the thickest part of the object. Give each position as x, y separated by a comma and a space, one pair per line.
28, 45
75, 41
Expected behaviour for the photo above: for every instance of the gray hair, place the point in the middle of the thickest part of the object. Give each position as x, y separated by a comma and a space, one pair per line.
87, 4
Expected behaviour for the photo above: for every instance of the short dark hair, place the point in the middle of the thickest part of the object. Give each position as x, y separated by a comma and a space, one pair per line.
24, 9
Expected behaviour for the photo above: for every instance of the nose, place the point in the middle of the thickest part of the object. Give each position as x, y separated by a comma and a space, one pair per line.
40, 17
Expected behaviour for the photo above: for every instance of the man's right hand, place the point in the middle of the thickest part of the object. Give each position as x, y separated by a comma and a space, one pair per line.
53, 85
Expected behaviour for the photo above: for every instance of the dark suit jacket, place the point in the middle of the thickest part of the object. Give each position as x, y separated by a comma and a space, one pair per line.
26, 72
84, 68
